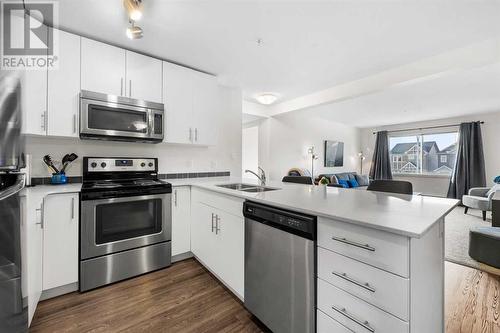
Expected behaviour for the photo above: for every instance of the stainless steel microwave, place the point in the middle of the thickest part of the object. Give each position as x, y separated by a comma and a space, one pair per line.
109, 117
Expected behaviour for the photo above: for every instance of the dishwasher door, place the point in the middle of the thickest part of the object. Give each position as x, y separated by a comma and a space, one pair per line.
279, 278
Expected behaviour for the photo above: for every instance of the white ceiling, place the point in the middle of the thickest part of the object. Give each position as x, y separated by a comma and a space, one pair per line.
462, 93
307, 45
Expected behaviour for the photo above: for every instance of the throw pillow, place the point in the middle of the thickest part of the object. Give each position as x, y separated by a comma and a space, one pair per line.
353, 183
334, 180
344, 183
363, 180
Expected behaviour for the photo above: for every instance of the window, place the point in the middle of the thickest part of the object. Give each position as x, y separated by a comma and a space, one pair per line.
424, 154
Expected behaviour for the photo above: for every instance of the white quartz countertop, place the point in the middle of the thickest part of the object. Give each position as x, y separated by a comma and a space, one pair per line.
52, 189
408, 215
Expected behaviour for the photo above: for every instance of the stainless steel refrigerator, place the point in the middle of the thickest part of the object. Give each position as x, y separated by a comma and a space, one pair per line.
13, 300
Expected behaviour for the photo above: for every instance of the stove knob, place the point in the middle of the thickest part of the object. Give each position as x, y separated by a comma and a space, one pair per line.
143, 164
93, 164
150, 164
103, 164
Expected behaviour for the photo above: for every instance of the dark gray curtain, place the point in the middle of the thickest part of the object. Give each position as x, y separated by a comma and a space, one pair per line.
469, 166
381, 163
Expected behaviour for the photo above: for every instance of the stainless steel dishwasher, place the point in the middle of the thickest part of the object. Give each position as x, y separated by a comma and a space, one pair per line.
280, 288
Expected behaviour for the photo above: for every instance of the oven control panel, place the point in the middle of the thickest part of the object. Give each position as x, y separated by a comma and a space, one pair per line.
119, 164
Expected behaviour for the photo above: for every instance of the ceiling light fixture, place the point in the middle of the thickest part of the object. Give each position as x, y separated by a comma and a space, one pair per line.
266, 98
134, 9
134, 32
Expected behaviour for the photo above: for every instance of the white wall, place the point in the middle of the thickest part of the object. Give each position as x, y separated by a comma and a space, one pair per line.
224, 156
283, 143
250, 149
433, 185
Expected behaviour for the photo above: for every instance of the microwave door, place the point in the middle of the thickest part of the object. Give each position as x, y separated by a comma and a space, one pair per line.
110, 119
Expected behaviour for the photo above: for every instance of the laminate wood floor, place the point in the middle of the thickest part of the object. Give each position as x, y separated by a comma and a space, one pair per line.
186, 298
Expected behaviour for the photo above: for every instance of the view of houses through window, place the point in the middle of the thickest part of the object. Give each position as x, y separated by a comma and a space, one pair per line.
423, 153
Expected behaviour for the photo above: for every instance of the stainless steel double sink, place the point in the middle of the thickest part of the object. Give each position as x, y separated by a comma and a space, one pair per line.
247, 187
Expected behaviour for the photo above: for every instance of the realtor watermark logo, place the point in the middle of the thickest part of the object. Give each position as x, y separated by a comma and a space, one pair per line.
27, 42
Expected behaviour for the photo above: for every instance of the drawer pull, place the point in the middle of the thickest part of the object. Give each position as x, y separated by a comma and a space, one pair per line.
365, 324
349, 242
361, 284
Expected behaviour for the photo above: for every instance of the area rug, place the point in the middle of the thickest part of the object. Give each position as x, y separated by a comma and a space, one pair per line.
457, 225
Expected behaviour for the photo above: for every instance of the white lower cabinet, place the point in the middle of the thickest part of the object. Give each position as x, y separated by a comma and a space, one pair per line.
60, 240
181, 220
32, 249
217, 239
375, 281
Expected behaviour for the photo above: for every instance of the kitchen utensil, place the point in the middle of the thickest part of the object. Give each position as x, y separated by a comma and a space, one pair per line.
67, 159
48, 161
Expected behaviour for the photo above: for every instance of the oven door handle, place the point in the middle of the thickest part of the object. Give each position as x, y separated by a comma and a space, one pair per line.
129, 199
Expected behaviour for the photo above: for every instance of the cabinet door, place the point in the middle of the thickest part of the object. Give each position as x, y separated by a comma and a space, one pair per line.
205, 108
178, 101
144, 77
31, 222
203, 234
230, 250
181, 220
34, 98
64, 88
60, 240
102, 68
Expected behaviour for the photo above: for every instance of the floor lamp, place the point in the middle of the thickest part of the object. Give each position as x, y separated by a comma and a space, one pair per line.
311, 152
361, 159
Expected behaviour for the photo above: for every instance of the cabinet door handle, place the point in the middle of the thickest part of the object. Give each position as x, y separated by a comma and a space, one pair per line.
121, 86
190, 134
213, 216
217, 228
129, 88
353, 243
175, 198
73, 208
41, 216
196, 134
363, 323
350, 279
74, 123
43, 121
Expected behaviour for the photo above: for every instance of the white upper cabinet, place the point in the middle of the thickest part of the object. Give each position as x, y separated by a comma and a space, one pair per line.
191, 103
103, 68
178, 101
64, 88
144, 77
34, 99
205, 108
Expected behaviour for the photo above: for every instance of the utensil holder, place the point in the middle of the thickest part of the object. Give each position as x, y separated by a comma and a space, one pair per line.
58, 178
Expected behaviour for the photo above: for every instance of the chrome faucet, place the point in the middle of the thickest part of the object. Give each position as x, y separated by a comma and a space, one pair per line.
261, 177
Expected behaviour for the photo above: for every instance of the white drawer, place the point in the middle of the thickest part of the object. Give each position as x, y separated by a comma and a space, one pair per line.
356, 314
374, 247
229, 204
385, 290
325, 324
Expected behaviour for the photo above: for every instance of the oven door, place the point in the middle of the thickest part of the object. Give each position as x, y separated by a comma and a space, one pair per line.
118, 224
102, 118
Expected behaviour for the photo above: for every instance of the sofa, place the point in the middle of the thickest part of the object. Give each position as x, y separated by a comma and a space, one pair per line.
334, 178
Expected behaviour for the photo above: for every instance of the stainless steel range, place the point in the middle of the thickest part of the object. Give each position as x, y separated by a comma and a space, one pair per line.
125, 223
